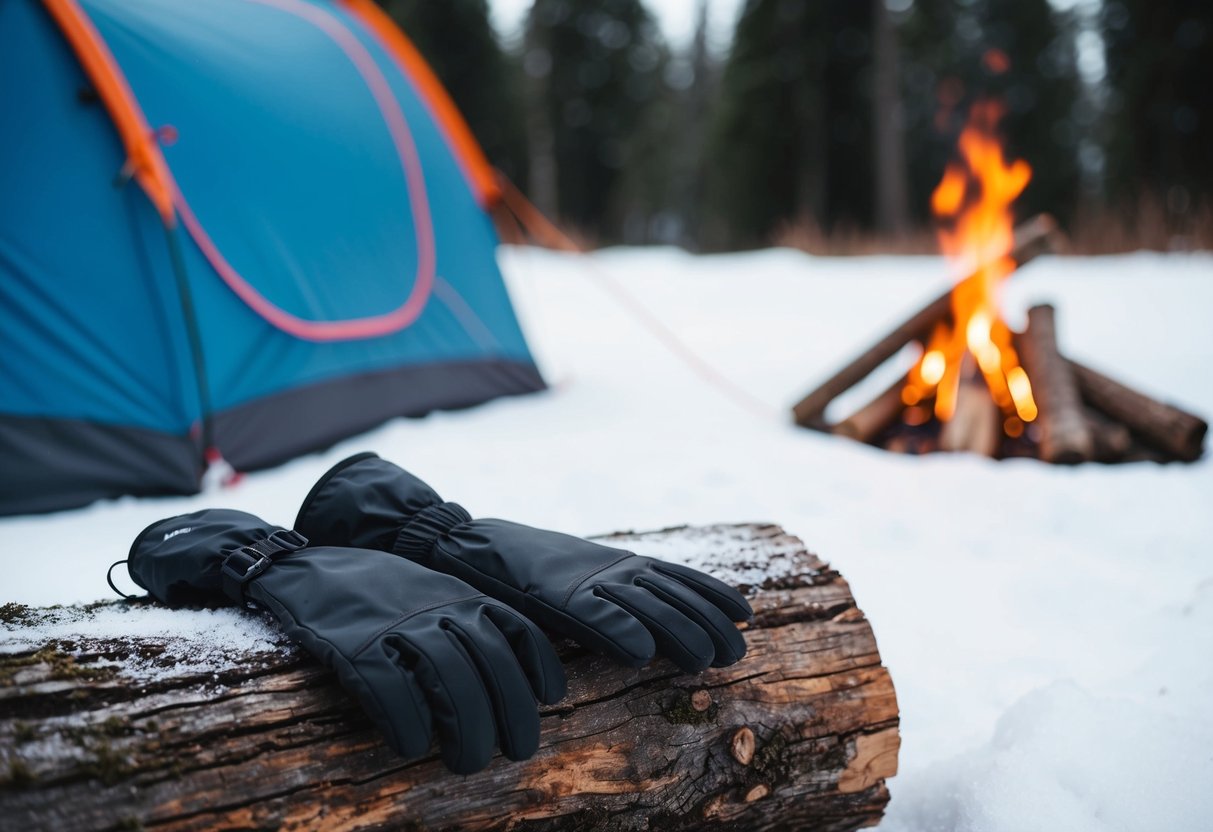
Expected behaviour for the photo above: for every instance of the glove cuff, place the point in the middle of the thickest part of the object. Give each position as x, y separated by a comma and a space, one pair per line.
416, 538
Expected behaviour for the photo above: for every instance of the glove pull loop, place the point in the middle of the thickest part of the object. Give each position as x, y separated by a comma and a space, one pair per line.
416, 538
249, 562
109, 579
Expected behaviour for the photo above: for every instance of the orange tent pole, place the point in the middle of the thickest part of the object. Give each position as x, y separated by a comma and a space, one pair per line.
476, 167
143, 158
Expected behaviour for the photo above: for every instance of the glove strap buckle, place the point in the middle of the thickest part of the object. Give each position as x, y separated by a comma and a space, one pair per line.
249, 562
416, 538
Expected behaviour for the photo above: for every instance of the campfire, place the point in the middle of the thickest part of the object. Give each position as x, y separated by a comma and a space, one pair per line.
978, 386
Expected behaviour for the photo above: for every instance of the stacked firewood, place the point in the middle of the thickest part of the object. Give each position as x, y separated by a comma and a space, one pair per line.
1084, 415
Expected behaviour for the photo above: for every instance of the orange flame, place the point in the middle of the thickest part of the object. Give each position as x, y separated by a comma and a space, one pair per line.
973, 204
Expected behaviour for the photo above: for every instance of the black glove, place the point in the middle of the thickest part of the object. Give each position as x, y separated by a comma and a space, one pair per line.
613, 601
416, 648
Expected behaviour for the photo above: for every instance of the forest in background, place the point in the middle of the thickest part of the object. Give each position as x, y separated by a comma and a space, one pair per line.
827, 123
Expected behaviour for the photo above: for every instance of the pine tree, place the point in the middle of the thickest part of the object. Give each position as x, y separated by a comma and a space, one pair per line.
793, 133
696, 115
596, 66
662, 189
458, 41
1160, 80
888, 128
1042, 92
1020, 51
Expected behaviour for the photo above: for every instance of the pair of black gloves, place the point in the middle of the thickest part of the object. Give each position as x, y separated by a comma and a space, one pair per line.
426, 614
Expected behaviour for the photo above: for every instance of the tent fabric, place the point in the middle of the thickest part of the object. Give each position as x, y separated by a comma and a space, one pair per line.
335, 264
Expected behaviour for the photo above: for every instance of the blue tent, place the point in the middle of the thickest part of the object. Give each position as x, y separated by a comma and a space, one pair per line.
240, 227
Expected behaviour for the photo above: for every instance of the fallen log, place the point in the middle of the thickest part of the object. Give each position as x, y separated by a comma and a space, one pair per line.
186, 729
1164, 427
1035, 237
1065, 435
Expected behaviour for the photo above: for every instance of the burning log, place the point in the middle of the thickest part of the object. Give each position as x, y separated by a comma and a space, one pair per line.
1178, 433
975, 425
866, 423
1065, 435
177, 734
1035, 237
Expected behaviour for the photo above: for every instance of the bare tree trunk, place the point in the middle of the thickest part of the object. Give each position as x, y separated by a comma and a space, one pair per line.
888, 141
541, 141
156, 733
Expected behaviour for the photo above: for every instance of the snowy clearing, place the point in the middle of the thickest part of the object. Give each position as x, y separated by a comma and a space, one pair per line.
1048, 629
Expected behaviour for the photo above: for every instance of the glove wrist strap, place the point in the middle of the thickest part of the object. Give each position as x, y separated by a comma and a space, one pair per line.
416, 538
249, 562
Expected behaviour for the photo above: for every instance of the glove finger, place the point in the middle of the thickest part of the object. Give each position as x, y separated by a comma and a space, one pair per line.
677, 636
533, 651
727, 641
390, 695
731, 602
599, 623
462, 713
514, 708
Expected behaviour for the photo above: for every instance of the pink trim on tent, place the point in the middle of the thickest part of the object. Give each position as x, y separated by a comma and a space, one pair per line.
477, 170
368, 327
153, 171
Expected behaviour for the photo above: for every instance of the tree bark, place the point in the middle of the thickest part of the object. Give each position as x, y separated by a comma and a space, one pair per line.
1065, 435
1035, 237
131, 734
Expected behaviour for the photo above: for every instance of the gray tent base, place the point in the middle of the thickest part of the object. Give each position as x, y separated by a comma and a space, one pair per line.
54, 464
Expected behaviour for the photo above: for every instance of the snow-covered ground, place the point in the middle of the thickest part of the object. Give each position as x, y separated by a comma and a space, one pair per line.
1049, 630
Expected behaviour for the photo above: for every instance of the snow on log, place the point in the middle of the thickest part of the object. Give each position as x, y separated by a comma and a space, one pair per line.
132, 716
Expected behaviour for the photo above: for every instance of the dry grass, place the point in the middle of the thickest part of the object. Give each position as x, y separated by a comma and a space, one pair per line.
807, 235
1147, 225
1096, 229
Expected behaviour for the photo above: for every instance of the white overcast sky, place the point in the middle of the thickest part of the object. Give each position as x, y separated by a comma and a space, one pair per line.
676, 17
677, 21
